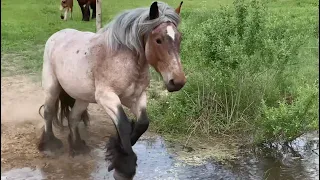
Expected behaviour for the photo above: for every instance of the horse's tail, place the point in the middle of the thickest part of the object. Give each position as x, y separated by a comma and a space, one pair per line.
66, 104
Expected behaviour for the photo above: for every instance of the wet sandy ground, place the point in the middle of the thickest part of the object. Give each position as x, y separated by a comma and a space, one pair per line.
21, 126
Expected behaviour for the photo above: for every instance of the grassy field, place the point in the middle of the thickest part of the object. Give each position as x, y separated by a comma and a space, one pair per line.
252, 65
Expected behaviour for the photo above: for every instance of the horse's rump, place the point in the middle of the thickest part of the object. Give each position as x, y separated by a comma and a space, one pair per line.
67, 40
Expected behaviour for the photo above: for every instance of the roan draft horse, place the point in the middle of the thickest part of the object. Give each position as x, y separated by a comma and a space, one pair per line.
111, 68
85, 6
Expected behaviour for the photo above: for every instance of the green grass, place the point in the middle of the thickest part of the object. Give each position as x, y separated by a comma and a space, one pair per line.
243, 60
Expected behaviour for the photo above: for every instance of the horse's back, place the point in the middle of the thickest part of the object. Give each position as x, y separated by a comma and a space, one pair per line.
64, 36
67, 57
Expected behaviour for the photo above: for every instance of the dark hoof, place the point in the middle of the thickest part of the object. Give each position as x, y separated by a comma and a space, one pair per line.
62, 17
49, 143
77, 148
124, 164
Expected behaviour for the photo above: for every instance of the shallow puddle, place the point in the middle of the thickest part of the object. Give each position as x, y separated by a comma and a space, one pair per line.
299, 161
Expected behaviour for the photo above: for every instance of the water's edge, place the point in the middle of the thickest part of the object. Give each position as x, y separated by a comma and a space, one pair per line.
297, 160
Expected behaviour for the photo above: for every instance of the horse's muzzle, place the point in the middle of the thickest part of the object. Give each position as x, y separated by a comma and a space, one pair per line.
175, 85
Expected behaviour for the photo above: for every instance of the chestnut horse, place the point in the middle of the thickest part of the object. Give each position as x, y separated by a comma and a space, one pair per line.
67, 7
111, 68
85, 6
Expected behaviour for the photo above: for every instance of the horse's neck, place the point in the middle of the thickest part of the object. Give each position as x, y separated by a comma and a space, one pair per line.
142, 66
138, 62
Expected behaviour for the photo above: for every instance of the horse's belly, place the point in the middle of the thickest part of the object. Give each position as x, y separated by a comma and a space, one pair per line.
78, 90
76, 78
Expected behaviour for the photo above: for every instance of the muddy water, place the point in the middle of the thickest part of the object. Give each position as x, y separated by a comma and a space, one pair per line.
298, 160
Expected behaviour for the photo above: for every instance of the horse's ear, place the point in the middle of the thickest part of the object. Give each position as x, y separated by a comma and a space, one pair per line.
179, 8
154, 11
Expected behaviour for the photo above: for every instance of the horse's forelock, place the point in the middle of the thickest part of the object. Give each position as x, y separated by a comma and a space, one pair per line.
128, 28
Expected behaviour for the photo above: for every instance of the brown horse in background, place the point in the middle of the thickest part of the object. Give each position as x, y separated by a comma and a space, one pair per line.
66, 6
85, 6
111, 68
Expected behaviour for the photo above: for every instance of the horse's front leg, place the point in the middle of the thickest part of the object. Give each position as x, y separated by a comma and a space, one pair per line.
82, 10
142, 124
70, 13
77, 145
112, 105
86, 12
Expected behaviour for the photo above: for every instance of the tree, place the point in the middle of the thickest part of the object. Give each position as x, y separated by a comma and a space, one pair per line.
98, 12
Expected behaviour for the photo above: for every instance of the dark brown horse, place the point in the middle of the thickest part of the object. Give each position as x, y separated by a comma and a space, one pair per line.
85, 6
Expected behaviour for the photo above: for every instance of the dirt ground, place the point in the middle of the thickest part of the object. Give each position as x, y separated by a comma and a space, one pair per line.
21, 126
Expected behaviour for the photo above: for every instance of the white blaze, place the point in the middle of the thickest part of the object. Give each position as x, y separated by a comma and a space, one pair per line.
170, 32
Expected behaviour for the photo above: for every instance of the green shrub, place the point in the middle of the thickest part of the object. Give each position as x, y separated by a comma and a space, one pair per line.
240, 62
289, 120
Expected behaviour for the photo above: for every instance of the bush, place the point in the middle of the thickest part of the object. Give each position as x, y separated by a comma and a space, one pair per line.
289, 120
240, 62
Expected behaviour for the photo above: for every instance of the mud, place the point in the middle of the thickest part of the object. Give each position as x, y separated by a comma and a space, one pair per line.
157, 159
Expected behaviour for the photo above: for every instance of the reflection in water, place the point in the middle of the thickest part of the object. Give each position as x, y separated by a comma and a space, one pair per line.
296, 160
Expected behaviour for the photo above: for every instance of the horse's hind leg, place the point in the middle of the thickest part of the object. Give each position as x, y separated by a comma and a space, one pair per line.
66, 13
48, 141
77, 145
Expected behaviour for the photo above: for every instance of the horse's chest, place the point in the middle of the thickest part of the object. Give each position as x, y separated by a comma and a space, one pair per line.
132, 93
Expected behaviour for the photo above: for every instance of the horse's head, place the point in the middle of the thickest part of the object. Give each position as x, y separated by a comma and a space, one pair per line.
163, 51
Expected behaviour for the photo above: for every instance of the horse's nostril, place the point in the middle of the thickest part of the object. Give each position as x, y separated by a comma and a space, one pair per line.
171, 82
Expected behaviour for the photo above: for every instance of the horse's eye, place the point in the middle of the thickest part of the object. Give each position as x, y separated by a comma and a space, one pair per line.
158, 41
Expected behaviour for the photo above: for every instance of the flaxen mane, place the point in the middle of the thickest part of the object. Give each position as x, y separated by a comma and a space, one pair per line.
128, 29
